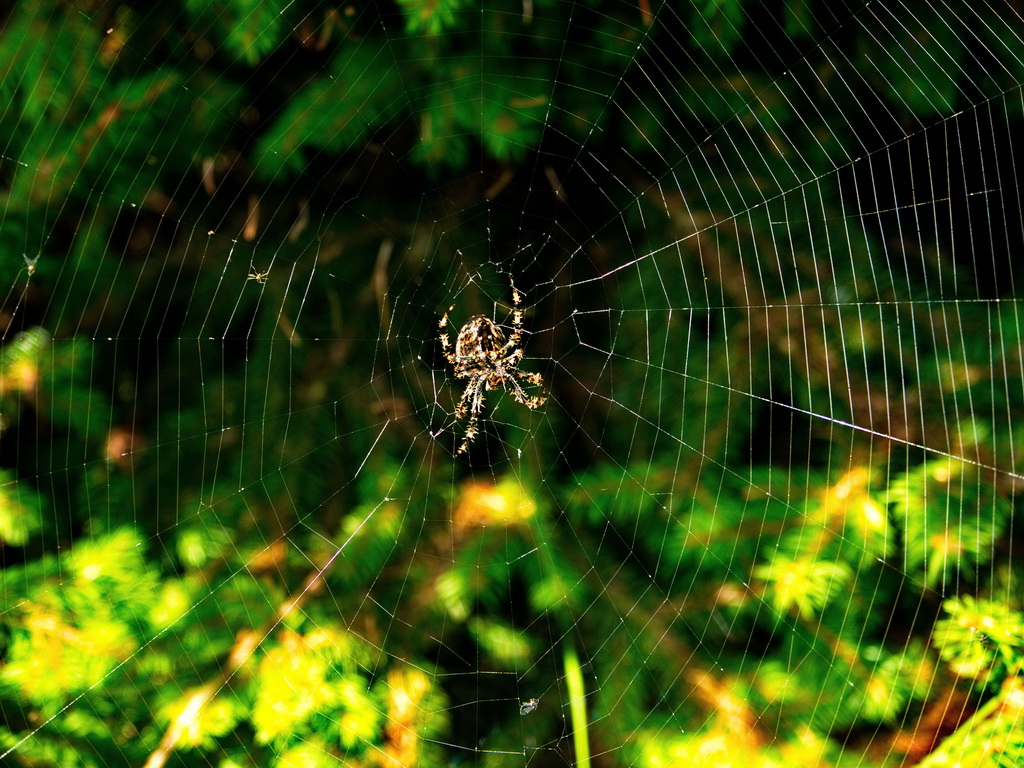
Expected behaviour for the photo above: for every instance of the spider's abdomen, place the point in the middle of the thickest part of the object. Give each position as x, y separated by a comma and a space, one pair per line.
479, 338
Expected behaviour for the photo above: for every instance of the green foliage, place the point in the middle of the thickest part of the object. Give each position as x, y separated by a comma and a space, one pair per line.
718, 26
297, 685
503, 112
49, 67
337, 113
431, 17
991, 737
981, 639
73, 626
21, 510
248, 30
928, 78
507, 648
206, 723
950, 519
806, 586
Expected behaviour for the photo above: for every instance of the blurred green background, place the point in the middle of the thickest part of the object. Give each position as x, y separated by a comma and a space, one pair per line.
768, 254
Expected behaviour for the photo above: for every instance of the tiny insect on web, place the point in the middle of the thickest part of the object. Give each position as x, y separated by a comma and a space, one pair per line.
482, 355
259, 277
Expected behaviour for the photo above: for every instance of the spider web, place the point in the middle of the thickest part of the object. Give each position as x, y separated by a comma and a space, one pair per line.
766, 259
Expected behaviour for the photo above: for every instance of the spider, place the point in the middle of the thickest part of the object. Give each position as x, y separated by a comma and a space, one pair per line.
259, 277
482, 355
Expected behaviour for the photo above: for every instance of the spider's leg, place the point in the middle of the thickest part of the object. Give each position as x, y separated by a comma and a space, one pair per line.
516, 337
508, 348
517, 307
519, 393
475, 395
516, 388
472, 400
477, 406
446, 342
471, 433
530, 376
460, 408
464, 444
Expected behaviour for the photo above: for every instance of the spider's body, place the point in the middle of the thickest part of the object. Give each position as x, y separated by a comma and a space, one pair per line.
479, 340
482, 355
